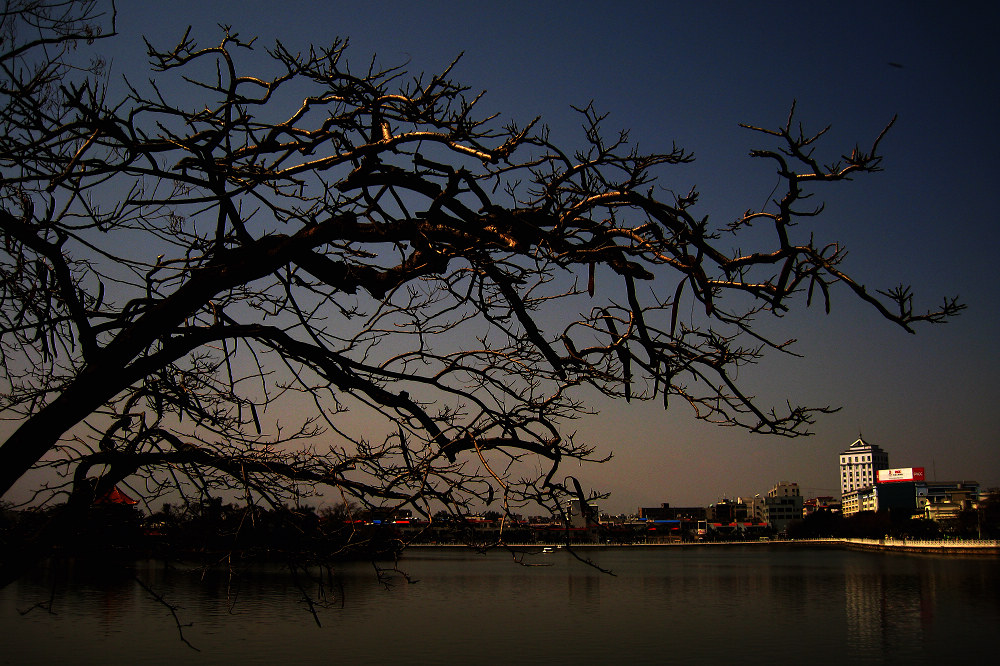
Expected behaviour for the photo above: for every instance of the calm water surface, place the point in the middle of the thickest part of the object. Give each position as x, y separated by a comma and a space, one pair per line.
742, 604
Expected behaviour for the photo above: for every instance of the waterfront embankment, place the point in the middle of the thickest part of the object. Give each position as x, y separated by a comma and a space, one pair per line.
975, 547
984, 547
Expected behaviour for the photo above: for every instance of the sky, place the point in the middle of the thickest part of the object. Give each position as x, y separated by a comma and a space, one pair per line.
690, 73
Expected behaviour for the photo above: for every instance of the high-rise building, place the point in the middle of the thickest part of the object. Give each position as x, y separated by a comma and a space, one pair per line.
859, 465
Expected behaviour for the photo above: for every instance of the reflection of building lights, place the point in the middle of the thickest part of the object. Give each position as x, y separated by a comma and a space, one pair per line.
885, 608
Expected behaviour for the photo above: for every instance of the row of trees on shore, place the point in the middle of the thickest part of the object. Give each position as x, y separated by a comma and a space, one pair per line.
214, 530
983, 522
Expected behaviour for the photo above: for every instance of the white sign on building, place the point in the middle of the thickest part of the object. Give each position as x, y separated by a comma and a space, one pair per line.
901, 474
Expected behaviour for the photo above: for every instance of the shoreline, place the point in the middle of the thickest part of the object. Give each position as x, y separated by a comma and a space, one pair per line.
977, 547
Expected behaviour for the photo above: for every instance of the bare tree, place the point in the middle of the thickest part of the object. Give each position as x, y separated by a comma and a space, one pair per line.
212, 282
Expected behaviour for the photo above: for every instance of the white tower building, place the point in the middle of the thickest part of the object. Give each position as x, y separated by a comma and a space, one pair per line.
859, 465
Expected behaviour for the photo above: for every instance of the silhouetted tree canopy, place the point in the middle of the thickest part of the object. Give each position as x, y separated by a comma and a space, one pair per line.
213, 280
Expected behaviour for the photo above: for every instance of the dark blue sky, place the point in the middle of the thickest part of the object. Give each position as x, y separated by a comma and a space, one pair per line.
690, 73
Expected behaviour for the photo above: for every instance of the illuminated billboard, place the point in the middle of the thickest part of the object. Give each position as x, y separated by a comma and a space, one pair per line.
901, 474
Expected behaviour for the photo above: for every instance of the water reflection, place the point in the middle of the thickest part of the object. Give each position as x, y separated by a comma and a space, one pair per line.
908, 604
748, 604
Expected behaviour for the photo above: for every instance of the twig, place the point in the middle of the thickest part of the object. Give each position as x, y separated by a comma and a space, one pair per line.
173, 611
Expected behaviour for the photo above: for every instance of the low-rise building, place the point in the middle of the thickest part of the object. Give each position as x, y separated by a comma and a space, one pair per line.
727, 511
667, 512
824, 503
783, 505
946, 500
935, 500
879, 496
582, 514
755, 507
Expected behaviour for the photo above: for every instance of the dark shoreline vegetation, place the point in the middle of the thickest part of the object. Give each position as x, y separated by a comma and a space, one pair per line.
216, 534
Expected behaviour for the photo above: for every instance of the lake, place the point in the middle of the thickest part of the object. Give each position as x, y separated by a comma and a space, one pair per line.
684, 605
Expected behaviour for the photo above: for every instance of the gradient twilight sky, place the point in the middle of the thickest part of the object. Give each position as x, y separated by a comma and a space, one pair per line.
690, 72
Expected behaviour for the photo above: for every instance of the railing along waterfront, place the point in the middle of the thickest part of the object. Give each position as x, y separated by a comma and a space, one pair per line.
964, 546
950, 546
